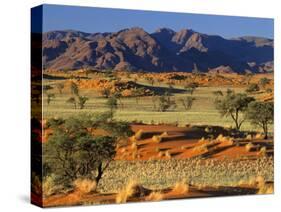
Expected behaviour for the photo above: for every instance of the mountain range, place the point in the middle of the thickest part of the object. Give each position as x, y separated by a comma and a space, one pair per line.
134, 49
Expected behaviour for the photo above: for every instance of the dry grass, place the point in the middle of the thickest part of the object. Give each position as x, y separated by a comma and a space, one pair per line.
249, 137
260, 181
134, 146
202, 140
180, 188
267, 189
126, 192
249, 147
259, 136
139, 134
264, 188
49, 187
167, 154
85, 186
262, 151
201, 148
156, 139
160, 154
228, 142
164, 134
154, 196
225, 139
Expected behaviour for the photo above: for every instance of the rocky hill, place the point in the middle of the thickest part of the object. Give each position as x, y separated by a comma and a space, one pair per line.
163, 50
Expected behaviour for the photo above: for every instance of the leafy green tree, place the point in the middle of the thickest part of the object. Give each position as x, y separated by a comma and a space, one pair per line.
187, 102
82, 101
72, 100
118, 96
112, 105
72, 152
261, 114
234, 105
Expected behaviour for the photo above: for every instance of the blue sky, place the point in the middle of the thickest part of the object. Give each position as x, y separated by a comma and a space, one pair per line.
89, 19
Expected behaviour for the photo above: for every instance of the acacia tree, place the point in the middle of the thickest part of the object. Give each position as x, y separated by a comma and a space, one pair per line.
261, 114
165, 103
118, 96
73, 151
234, 105
112, 105
187, 102
82, 101
74, 89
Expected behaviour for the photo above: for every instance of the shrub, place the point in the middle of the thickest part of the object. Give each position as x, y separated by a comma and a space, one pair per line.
252, 88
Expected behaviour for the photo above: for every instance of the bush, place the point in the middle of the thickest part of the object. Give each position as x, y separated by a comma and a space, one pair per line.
252, 88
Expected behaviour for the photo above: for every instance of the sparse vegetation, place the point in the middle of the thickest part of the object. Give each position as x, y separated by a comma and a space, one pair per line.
261, 114
253, 88
163, 158
72, 152
50, 97
82, 101
187, 102
234, 105
166, 103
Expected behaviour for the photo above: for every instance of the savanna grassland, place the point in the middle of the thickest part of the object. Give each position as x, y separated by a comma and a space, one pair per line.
118, 137
144, 109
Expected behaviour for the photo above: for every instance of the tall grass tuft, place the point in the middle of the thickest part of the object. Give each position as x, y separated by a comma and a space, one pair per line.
180, 188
